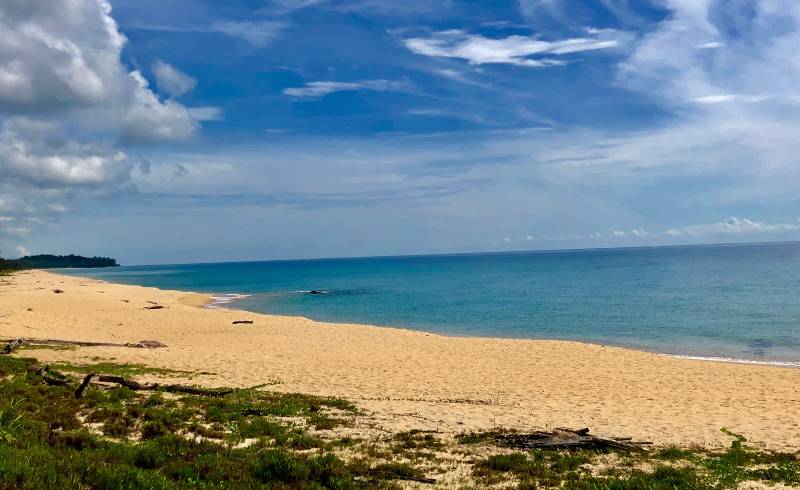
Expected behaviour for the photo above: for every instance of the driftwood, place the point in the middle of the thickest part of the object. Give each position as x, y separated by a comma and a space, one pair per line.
58, 291
50, 377
84, 384
55, 378
142, 344
154, 307
12, 345
137, 386
237, 322
568, 439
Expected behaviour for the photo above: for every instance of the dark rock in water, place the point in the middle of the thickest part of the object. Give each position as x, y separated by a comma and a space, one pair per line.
314, 291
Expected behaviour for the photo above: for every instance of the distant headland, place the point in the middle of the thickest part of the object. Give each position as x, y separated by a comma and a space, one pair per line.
55, 262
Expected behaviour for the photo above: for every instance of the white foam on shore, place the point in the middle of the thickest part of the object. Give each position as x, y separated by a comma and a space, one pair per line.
220, 300
740, 361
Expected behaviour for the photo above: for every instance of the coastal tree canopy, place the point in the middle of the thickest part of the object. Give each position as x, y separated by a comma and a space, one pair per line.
55, 262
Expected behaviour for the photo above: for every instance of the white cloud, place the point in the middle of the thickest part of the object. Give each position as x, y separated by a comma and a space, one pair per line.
256, 33
22, 251
36, 154
315, 90
171, 80
694, 55
207, 113
733, 226
58, 54
149, 120
514, 50
67, 103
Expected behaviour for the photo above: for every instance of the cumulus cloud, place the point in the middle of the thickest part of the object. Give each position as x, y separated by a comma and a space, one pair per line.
733, 226
514, 50
69, 106
36, 153
22, 251
150, 120
58, 54
315, 90
171, 80
728, 226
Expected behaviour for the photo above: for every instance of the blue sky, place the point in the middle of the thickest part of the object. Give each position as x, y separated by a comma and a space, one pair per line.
203, 131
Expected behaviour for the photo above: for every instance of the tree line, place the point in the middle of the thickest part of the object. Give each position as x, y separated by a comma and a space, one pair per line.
55, 262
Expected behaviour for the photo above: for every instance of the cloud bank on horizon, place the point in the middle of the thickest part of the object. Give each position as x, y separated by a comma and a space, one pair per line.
200, 130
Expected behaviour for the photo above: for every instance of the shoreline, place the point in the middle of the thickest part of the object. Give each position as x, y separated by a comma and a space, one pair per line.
228, 301
411, 379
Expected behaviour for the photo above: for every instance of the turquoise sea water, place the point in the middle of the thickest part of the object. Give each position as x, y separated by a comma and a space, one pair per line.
730, 301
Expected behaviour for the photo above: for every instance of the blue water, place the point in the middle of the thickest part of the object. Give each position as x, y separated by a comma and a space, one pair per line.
734, 301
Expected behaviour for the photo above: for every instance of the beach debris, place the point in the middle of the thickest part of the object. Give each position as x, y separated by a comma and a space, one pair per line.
142, 344
172, 388
146, 344
562, 438
84, 384
50, 377
55, 378
154, 307
58, 291
237, 322
12, 345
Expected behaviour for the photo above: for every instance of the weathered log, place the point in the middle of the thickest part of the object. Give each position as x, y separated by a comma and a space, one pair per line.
142, 344
53, 378
237, 322
154, 307
13, 345
84, 384
172, 388
567, 439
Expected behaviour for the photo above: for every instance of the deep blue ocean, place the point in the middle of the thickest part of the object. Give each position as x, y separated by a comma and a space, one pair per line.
727, 301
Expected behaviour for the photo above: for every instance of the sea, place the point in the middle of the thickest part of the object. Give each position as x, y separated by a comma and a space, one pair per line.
724, 302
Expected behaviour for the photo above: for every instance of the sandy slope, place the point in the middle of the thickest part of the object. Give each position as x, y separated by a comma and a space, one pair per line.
413, 379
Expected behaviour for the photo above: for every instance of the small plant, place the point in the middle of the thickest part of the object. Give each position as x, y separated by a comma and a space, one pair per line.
10, 421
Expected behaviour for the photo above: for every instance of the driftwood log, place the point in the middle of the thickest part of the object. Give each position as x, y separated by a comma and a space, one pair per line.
55, 378
172, 388
13, 345
142, 344
568, 439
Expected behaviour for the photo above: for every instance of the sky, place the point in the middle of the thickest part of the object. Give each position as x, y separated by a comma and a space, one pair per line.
199, 130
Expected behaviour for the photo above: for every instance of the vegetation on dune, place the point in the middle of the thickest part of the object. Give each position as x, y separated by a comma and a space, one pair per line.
113, 437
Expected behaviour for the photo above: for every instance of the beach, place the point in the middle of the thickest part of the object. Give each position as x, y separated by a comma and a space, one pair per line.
407, 379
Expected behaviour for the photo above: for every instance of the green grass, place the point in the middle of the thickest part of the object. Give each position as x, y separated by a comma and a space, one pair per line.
117, 438
44, 444
125, 370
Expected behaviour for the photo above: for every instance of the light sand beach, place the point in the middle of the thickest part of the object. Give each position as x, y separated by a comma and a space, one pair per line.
406, 379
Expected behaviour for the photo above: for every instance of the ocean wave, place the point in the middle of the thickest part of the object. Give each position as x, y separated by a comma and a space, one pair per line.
794, 364
219, 300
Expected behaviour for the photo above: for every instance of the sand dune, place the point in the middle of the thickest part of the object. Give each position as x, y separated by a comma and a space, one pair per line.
414, 379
